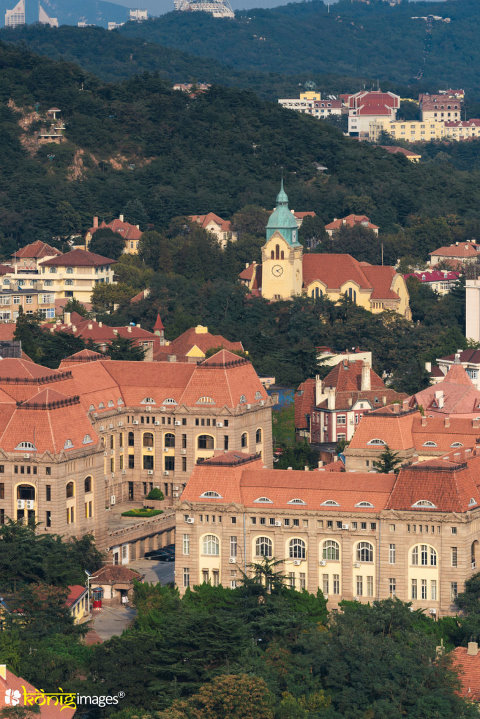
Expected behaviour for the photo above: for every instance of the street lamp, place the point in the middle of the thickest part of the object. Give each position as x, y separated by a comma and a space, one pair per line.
89, 575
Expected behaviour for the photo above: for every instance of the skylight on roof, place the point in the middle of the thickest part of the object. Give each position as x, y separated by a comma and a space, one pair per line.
26, 445
210, 494
377, 441
68, 444
205, 400
429, 443
148, 400
456, 444
424, 503
296, 501
169, 400
472, 502
364, 504
87, 439
330, 503
263, 500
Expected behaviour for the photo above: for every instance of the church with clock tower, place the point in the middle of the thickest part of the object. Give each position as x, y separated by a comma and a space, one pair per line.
282, 275
286, 271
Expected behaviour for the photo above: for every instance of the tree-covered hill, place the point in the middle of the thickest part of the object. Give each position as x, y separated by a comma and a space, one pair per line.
139, 140
359, 39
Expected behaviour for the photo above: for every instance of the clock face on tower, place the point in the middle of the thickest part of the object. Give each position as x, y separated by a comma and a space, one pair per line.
277, 270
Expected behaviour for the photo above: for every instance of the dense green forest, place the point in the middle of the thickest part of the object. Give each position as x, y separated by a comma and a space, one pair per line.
356, 39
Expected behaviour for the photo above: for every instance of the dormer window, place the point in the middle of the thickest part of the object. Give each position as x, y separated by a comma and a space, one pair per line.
377, 442
26, 445
111, 403
258, 394
330, 503
91, 408
424, 503
119, 401
101, 406
263, 500
456, 444
296, 501
68, 444
205, 400
210, 494
169, 400
472, 502
87, 439
148, 400
243, 399
364, 505
429, 444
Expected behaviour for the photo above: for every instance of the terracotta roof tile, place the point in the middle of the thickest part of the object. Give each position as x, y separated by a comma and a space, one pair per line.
304, 402
113, 574
467, 667
351, 221
461, 250
78, 258
204, 220
37, 249
75, 591
185, 342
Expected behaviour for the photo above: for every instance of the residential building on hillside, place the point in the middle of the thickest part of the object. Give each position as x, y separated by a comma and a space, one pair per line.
76, 273
286, 271
469, 359
222, 229
130, 233
456, 255
138, 15
329, 357
311, 103
329, 410
193, 344
440, 107
353, 535
409, 154
12, 298
15, 16
412, 436
366, 107
80, 442
472, 310
350, 221
462, 129
454, 396
440, 281
409, 130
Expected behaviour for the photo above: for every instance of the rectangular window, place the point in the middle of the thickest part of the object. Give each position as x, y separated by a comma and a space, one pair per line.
263, 520
354, 525
48, 492
234, 520
325, 586
433, 589
169, 464
414, 589
186, 577
303, 580
48, 519
122, 461
391, 554
341, 419
424, 589
233, 547
369, 586
454, 552
253, 520
131, 461
454, 530
359, 586
296, 522
2, 490
392, 586
392, 527
363, 525
291, 579
186, 544
148, 461
336, 584
373, 525
286, 522
225, 441
453, 591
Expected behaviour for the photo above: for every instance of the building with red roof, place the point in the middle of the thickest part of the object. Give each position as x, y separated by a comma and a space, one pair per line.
286, 272
443, 107
222, 229
193, 344
76, 273
370, 106
397, 150
466, 664
457, 255
469, 359
329, 411
78, 603
130, 233
454, 396
355, 535
350, 221
440, 281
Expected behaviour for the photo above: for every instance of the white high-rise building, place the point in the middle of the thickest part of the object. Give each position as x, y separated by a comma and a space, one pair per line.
44, 19
138, 15
15, 16
472, 319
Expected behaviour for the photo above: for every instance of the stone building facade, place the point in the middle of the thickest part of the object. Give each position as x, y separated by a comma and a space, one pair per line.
352, 535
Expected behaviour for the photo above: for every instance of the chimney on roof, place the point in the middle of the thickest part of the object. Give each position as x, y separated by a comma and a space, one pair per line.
366, 382
139, 325
350, 401
331, 398
396, 408
137, 226
120, 217
74, 329
306, 468
90, 326
472, 649
424, 421
115, 332
439, 398
95, 221
384, 400
318, 389
457, 357
476, 422
66, 318
100, 324
447, 421
428, 367
320, 464
129, 328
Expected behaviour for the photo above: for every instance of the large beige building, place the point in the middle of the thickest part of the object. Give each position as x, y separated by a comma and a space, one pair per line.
75, 274
352, 535
409, 130
79, 441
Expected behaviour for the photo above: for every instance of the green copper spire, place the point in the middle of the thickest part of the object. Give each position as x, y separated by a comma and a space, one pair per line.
282, 220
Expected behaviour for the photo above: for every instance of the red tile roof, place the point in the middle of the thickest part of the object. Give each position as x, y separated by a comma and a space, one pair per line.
351, 221
394, 150
16, 684
128, 231
114, 574
459, 250
467, 667
75, 591
463, 123
460, 396
334, 270
434, 276
158, 324
204, 220
468, 355
373, 102
304, 403
78, 258
37, 250
185, 342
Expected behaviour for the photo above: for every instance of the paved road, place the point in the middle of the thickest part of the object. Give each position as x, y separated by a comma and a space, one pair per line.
111, 621
154, 571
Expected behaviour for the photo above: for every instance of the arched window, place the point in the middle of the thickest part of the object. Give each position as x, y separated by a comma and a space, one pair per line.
205, 441
91, 408
377, 441
296, 501
211, 545
131, 439
272, 255
424, 503
169, 440
148, 400
424, 555
26, 445
263, 547
352, 295
296, 549
258, 436
243, 399
70, 490
282, 255
210, 494
331, 550
330, 503
101, 406
364, 504
277, 252
364, 552
205, 400
148, 439
111, 403
313, 294
472, 502
429, 443
119, 401
244, 440
169, 400
456, 444
263, 500
88, 484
